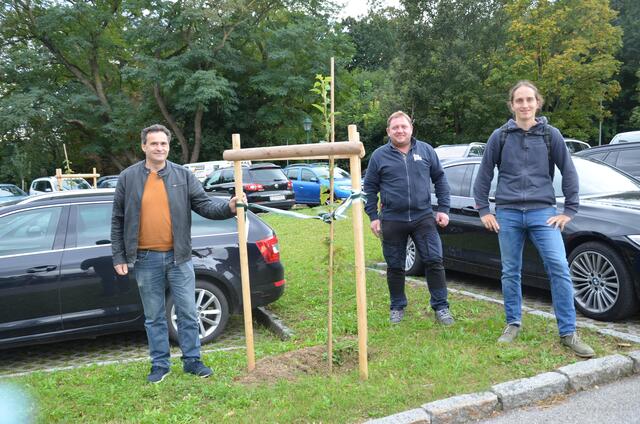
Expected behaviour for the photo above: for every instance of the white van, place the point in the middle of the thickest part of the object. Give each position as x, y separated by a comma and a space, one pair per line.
203, 169
50, 185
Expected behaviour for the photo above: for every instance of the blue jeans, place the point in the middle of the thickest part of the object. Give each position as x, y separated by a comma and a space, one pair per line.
153, 270
515, 224
428, 246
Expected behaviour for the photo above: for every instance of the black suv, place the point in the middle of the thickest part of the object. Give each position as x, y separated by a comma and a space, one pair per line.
57, 279
264, 184
624, 156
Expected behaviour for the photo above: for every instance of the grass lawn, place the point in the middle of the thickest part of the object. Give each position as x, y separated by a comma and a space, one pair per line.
410, 364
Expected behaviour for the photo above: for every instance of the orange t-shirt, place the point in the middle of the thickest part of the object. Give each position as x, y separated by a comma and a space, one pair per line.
155, 217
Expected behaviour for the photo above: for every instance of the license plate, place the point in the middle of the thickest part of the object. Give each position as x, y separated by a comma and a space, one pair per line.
277, 197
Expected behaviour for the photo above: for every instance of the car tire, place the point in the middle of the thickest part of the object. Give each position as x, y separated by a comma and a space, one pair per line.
213, 312
412, 264
603, 285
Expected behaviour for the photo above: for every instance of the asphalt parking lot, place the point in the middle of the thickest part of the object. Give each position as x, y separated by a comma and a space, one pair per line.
132, 346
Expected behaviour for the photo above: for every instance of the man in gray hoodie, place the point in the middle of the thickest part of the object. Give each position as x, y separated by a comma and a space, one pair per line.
526, 150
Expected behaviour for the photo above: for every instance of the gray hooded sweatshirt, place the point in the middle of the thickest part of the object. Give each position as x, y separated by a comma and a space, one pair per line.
524, 181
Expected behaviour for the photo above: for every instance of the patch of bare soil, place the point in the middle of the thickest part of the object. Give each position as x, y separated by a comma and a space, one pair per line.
307, 361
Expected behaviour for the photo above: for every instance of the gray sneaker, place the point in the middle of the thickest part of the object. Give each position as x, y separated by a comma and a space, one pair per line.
509, 334
396, 315
443, 316
579, 347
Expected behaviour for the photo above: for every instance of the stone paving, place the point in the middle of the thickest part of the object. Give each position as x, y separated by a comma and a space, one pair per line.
123, 347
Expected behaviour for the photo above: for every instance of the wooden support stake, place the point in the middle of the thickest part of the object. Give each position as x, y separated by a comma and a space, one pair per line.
59, 178
358, 238
244, 260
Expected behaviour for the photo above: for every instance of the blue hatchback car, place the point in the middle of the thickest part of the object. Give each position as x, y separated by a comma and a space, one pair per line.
309, 178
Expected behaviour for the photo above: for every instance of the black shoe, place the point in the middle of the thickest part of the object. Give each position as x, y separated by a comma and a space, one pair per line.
157, 374
197, 368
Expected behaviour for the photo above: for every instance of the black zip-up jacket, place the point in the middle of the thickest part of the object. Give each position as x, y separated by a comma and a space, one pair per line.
524, 181
404, 183
185, 193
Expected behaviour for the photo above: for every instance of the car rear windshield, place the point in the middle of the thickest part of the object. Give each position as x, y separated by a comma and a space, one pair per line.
596, 179
267, 175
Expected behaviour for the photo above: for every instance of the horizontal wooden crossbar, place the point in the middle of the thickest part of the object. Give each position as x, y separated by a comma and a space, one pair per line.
339, 149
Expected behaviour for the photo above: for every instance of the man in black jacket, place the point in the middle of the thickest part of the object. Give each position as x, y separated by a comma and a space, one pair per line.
402, 172
151, 228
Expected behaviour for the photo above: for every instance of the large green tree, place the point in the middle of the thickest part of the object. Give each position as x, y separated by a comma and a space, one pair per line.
566, 47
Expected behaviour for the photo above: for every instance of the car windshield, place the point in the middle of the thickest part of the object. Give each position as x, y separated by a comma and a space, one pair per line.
75, 184
446, 152
597, 179
10, 191
337, 173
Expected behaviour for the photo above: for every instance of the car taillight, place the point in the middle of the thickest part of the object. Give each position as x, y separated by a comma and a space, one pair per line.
269, 249
279, 283
253, 187
289, 185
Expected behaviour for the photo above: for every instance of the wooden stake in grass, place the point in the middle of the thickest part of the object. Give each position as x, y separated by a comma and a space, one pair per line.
244, 261
354, 150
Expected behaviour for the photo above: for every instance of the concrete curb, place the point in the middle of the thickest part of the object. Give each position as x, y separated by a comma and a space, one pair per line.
273, 323
523, 392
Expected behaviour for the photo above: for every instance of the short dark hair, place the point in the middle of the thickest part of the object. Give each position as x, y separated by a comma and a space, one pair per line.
154, 128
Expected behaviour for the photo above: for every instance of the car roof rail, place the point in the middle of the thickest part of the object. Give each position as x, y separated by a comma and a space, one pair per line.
68, 194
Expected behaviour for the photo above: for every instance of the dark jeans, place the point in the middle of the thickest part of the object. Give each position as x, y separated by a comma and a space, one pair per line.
428, 247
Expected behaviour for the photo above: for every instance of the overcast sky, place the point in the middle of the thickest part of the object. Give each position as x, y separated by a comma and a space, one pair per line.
357, 8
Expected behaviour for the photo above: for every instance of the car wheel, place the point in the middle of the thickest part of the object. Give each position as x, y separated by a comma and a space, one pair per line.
412, 263
603, 285
212, 308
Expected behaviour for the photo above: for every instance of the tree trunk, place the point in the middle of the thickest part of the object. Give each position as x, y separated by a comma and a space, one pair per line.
197, 129
172, 123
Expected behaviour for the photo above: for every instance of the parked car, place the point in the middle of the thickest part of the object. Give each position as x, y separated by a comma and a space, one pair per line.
602, 241
264, 184
107, 181
624, 156
575, 146
626, 137
57, 279
10, 192
50, 185
455, 151
309, 178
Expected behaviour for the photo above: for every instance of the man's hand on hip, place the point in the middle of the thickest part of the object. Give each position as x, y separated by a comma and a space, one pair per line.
490, 223
121, 269
375, 227
442, 219
558, 221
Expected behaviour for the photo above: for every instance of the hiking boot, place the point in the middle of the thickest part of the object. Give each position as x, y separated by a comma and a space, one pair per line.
579, 347
157, 374
509, 334
443, 316
396, 315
